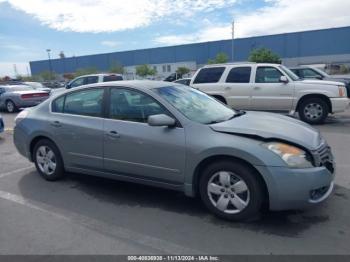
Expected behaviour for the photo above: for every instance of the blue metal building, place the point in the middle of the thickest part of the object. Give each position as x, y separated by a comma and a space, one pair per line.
309, 47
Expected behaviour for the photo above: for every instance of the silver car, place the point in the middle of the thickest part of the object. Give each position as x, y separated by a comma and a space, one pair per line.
14, 97
171, 136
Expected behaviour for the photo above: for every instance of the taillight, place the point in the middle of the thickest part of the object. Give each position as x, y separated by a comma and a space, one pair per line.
35, 95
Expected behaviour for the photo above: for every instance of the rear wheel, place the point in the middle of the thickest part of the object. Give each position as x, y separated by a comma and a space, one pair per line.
313, 111
48, 161
231, 190
11, 107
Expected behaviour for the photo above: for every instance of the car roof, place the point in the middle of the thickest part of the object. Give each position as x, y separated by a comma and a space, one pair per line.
299, 67
138, 84
241, 64
101, 74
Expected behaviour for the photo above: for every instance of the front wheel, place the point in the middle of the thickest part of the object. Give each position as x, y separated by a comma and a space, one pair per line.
313, 111
10, 106
48, 161
231, 190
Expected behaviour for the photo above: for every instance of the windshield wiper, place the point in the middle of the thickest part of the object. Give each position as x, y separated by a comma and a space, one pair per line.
238, 114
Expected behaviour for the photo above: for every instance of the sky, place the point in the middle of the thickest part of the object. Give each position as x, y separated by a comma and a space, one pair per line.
81, 27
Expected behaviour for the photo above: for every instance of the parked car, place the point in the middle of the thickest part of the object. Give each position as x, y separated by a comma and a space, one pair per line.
92, 79
37, 86
271, 87
2, 125
171, 136
183, 81
309, 72
14, 97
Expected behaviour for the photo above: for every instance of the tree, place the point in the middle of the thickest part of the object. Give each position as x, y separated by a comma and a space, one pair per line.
264, 55
47, 75
85, 71
61, 55
220, 58
116, 68
145, 70
182, 70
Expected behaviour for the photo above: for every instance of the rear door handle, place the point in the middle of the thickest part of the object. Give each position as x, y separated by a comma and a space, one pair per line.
113, 134
56, 124
227, 88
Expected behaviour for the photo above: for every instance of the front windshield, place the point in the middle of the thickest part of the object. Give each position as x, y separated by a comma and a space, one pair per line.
195, 105
293, 76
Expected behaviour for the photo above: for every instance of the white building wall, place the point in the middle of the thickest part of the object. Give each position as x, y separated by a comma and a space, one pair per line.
163, 70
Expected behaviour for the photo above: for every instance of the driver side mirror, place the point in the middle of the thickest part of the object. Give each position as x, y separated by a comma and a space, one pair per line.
161, 120
68, 85
284, 79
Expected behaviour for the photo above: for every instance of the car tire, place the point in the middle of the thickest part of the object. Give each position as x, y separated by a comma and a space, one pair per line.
231, 190
48, 160
10, 106
313, 111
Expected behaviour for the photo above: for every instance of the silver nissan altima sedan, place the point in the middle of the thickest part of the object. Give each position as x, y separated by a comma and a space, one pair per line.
172, 136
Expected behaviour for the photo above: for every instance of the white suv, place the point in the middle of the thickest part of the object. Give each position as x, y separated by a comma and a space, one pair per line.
92, 79
271, 87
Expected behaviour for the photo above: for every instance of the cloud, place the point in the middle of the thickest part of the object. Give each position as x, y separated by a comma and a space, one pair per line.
208, 33
110, 15
298, 15
110, 43
279, 16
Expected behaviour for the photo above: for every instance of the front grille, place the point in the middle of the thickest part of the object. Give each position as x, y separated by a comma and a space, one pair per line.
323, 157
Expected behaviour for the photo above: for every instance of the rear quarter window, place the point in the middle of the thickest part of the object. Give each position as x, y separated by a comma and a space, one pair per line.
209, 75
112, 78
58, 104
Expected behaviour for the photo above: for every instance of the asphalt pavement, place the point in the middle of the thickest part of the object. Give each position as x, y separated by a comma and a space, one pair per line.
89, 215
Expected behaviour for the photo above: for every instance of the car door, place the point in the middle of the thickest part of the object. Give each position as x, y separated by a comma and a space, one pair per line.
269, 93
133, 148
238, 88
207, 80
77, 127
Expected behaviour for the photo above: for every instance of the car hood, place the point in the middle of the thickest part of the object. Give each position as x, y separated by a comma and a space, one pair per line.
271, 126
321, 82
338, 79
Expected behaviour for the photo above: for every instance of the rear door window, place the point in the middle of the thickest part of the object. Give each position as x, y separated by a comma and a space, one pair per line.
91, 80
85, 102
239, 75
209, 75
58, 104
112, 78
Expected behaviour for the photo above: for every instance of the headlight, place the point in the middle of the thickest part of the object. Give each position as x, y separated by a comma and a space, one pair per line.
342, 91
293, 156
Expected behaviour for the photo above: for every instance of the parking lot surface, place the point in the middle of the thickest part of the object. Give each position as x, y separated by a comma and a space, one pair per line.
88, 215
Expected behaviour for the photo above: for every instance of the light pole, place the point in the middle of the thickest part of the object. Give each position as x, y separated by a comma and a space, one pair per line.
50, 66
233, 37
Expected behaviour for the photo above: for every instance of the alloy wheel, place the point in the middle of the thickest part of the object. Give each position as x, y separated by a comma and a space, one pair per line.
46, 160
228, 192
10, 106
313, 111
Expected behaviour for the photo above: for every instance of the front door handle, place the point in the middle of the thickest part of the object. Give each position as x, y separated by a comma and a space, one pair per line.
257, 88
56, 124
113, 134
